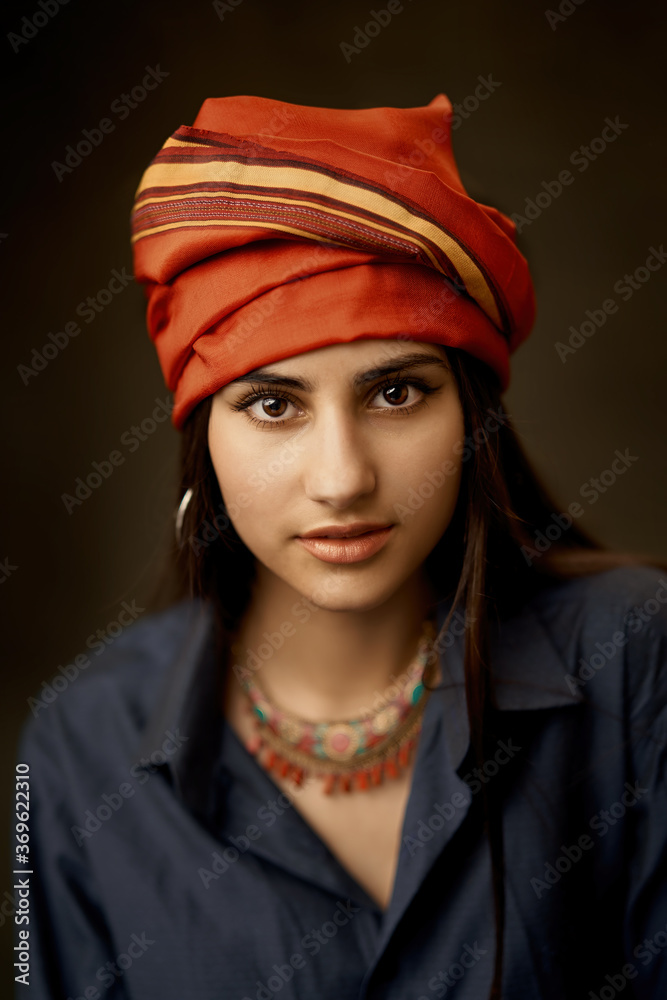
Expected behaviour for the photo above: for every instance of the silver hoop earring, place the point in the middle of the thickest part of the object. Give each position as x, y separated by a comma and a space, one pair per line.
180, 514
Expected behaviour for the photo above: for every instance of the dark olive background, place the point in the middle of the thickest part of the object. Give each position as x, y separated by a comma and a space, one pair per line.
61, 239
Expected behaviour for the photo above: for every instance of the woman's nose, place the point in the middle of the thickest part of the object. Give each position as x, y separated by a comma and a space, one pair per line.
337, 465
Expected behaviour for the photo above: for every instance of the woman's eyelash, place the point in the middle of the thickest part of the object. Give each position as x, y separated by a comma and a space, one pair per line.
258, 392
263, 392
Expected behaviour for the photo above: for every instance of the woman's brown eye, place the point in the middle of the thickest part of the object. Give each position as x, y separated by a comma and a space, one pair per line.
271, 406
393, 392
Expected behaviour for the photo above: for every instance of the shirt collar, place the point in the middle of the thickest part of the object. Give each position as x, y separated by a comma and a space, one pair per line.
189, 707
529, 670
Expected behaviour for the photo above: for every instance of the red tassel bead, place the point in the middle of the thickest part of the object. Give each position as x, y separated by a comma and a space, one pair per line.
376, 774
361, 778
390, 768
270, 760
404, 755
283, 768
254, 744
329, 784
345, 783
297, 775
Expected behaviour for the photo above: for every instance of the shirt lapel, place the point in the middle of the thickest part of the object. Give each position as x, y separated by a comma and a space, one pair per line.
530, 673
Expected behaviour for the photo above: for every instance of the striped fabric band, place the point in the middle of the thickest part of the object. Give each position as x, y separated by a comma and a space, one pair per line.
200, 182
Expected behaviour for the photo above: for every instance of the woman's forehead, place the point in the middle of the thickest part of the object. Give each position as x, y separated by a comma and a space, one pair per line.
353, 356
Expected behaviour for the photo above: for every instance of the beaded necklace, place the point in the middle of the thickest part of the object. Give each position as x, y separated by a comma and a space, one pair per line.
353, 754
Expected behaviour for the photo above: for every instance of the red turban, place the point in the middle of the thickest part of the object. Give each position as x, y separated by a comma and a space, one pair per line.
268, 229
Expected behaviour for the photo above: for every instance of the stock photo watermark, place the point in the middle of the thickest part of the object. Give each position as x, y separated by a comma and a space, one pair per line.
645, 951
88, 309
364, 34
221, 861
443, 812
601, 823
302, 611
581, 158
635, 620
108, 974
424, 148
121, 107
312, 943
258, 482
447, 979
591, 491
103, 469
221, 8
114, 800
416, 498
6, 569
565, 9
625, 287
97, 641
30, 26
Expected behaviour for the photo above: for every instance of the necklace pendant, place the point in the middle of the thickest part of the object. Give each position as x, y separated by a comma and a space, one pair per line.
292, 748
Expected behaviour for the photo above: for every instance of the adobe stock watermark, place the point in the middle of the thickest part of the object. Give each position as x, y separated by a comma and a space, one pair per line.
312, 943
423, 316
364, 35
601, 823
221, 861
6, 569
140, 772
581, 158
445, 811
447, 979
101, 470
302, 610
444, 640
635, 620
435, 480
258, 482
121, 107
88, 309
97, 642
424, 148
625, 287
114, 800
645, 951
7, 907
221, 8
30, 26
565, 9
253, 315
108, 974
591, 491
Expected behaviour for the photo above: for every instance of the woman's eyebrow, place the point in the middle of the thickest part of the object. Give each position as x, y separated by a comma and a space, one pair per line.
391, 367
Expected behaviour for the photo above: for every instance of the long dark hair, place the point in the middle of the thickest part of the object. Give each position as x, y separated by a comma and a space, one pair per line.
493, 561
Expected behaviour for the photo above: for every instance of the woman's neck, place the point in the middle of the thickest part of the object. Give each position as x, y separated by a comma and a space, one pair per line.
322, 664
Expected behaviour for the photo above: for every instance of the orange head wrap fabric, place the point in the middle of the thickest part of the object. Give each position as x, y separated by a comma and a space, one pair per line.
268, 229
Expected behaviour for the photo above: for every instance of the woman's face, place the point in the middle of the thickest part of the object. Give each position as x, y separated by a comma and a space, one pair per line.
365, 436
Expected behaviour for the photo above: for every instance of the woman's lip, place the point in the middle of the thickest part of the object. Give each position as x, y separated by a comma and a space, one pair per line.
347, 550
344, 531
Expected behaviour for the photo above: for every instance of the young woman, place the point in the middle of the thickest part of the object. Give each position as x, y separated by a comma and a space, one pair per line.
403, 734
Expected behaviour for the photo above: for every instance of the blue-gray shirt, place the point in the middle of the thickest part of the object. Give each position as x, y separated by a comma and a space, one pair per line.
167, 865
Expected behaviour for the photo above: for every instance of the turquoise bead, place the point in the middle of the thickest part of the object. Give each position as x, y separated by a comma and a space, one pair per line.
417, 693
